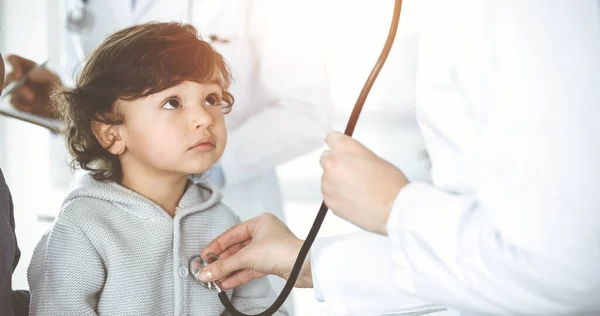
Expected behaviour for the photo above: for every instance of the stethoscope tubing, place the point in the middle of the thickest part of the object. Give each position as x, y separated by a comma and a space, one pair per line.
289, 285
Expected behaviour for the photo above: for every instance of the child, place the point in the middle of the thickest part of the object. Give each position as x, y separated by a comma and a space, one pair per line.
146, 113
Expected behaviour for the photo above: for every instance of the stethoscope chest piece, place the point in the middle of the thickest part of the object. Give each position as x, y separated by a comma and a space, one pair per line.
196, 264
79, 19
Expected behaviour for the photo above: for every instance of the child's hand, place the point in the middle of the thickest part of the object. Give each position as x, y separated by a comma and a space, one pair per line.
259, 246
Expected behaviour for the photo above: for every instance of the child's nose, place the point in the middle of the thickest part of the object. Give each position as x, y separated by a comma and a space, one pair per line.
201, 117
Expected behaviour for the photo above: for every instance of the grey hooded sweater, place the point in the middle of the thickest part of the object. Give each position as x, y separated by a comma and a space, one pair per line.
112, 251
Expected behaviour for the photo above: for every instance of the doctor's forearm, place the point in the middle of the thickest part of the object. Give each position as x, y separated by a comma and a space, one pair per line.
447, 250
305, 278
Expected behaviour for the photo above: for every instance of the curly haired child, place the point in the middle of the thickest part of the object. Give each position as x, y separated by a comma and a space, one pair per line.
146, 112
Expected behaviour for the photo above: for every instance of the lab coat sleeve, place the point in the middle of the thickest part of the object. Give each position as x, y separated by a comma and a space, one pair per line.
351, 274
446, 249
66, 274
291, 72
523, 238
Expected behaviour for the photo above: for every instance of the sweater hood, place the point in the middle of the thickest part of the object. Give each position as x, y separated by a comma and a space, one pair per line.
197, 196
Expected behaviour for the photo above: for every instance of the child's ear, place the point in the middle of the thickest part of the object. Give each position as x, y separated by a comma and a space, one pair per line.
109, 137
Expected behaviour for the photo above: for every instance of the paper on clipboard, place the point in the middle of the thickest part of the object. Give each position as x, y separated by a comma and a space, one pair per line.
6, 109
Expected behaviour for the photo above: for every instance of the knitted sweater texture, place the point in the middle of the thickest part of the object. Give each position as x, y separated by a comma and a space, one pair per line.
112, 251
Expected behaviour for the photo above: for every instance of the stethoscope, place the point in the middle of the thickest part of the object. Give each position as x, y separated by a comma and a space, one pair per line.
196, 263
80, 19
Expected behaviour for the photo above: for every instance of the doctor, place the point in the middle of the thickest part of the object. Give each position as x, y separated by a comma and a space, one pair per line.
509, 107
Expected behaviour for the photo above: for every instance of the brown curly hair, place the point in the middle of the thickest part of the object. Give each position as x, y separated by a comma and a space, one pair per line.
132, 63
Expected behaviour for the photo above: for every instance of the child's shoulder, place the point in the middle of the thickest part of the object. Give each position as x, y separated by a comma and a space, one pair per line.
82, 210
87, 200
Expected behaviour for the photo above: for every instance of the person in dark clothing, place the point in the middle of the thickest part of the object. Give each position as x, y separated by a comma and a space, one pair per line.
12, 303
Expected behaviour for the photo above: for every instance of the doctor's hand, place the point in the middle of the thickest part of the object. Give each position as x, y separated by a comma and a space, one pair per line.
358, 185
34, 95
252, 249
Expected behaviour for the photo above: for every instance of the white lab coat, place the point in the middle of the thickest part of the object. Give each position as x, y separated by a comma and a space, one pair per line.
282, 107
508, 103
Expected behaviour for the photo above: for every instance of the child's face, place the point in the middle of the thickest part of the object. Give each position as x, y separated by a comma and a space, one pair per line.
179, 130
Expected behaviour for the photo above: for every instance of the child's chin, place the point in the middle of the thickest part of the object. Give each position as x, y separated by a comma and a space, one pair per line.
198, 171
197, 167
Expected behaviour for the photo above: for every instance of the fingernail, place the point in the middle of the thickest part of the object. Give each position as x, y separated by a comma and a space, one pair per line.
205, 276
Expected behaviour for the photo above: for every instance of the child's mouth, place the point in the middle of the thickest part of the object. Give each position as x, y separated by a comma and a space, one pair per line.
203, 145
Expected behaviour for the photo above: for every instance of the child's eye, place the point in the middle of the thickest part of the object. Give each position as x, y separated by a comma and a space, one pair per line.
213, 100
172, 104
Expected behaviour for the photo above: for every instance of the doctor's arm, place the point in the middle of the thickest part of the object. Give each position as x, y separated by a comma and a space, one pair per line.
524, 239
291, 73
359, 263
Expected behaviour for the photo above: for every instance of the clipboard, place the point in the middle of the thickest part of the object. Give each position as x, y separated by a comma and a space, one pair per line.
8, 110
17, 84
54, 125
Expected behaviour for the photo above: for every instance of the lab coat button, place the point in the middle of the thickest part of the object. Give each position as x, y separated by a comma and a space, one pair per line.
183, 271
